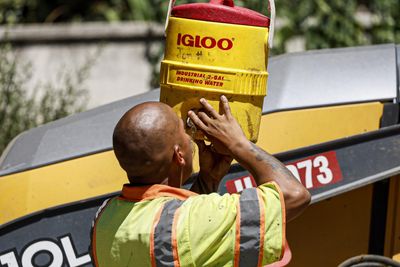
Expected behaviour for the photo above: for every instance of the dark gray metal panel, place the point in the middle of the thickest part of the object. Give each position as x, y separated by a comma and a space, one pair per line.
66, 230
398, 70
70, 137
330, 77
309, 79
363, 159
390, 115
363, 164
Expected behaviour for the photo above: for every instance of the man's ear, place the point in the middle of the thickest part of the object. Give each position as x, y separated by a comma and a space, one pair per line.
178, 156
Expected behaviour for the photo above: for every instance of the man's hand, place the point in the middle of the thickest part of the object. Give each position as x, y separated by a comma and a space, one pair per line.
222, 130
215, 159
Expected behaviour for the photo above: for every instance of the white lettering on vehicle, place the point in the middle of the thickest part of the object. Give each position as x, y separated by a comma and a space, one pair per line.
50, 247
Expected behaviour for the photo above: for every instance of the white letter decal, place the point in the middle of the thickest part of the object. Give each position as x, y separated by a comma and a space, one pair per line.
71, 256
48, 246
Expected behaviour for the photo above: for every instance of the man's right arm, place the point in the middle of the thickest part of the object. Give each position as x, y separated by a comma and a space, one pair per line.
226, 135
266, 168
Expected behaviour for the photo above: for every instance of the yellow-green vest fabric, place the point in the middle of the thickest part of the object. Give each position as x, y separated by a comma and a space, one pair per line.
160, 225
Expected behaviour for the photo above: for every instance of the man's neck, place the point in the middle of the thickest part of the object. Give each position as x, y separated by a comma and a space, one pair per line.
140, 181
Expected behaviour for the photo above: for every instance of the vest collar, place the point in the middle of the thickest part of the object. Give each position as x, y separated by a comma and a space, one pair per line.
138, 193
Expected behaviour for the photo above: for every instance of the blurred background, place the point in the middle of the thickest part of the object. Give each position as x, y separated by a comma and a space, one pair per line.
59, 57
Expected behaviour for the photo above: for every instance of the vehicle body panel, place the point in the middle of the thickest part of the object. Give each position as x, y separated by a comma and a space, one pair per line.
343, 102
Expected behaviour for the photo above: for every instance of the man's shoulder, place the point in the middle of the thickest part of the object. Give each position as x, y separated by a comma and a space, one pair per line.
212, 202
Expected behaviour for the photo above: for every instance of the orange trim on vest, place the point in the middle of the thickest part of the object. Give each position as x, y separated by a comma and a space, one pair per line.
237, 237
155, 222
96, 264
262, 227
139, 193
174, 239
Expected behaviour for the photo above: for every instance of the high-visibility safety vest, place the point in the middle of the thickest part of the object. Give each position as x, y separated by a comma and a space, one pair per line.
160, 225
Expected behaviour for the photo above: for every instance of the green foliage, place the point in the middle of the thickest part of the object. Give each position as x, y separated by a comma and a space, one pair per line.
25, 11
154, 54
335, 23
323, 23
21, 110
387, 25
17, 112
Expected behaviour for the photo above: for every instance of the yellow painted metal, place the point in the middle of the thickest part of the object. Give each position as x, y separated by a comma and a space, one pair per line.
98, 174
207, 59
392, 239
397, 257
331, 231
293, 129
29, 191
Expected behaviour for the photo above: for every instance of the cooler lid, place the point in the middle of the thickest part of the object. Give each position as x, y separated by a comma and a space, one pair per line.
220, 11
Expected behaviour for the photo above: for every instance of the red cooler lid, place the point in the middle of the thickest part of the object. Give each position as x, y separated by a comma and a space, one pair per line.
221, 11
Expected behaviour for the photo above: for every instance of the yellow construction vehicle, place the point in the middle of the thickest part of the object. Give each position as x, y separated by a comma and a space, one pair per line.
331, 115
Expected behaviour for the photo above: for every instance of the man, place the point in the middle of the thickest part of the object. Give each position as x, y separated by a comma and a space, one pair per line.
155, 223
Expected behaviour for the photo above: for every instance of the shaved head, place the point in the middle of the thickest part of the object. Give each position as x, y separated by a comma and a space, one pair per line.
144, 141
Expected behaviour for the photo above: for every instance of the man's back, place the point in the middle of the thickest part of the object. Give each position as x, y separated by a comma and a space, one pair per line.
164, 226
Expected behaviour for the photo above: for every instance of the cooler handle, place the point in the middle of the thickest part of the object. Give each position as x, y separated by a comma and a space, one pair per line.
271, 19
170, 6
271, 23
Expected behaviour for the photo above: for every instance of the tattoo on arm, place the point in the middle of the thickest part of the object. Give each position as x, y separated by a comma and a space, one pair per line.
261, 155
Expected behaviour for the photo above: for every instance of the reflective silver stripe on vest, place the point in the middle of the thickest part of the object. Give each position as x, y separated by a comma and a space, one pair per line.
249, 228
163, 234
